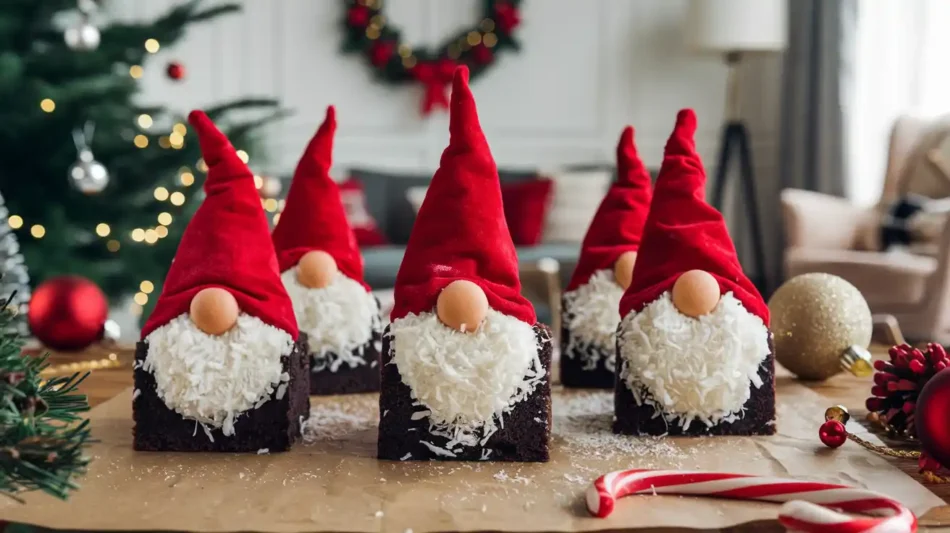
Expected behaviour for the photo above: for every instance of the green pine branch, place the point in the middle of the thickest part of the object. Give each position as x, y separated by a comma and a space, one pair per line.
42, 436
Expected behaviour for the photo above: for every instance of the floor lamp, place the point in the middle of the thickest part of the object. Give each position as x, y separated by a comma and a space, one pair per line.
732, 29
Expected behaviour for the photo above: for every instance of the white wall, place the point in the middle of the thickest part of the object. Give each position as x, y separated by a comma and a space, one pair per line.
588, 67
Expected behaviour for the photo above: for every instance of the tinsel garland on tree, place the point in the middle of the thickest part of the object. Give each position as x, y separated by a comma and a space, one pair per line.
42, 437
15, 279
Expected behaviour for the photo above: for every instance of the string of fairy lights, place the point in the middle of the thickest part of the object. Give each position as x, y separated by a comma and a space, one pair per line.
269, 188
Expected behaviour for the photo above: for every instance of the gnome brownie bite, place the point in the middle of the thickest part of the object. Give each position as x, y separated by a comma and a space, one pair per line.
466, 366
322, 270
218, 367
693, 349
589, 315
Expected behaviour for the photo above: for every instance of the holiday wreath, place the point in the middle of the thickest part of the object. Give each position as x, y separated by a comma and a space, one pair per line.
369, 32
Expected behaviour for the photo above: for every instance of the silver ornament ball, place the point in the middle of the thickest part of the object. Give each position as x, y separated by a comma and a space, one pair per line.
83, 37
88, 175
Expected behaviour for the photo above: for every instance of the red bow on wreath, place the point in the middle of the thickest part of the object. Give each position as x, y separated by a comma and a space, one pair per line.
435, 77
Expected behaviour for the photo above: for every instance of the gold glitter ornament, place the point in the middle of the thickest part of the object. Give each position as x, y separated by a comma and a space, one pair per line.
821, 325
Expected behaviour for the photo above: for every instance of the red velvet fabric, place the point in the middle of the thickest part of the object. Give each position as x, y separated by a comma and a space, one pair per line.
526, 204
460, 232
226, 243
683, 232
617, 226
358, 216
314, 218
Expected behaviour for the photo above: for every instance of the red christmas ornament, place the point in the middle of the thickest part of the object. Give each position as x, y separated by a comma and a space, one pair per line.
832, 433
175, 71
932, 418
68, 313
507, 17
482, 54
358, 16
898, 383
381, 52
435, 77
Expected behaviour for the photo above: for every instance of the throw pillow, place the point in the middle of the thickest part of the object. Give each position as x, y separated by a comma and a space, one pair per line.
363, 224
526, 205
577, 195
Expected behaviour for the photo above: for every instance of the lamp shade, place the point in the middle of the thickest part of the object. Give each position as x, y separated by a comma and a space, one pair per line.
723, 26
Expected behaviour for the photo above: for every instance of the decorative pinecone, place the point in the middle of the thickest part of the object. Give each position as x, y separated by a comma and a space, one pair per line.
898, 383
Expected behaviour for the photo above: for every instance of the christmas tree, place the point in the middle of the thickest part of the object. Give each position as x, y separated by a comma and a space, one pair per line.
96, 183
42, 438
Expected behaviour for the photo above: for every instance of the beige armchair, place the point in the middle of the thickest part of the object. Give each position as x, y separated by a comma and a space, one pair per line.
829, 234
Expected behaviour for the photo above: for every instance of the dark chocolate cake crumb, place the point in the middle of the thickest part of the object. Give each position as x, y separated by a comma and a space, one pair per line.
274, 426
525, 436
347, 379
758, 417
575, 357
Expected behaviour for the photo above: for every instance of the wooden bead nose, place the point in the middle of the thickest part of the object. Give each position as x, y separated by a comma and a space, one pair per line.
214, 310
462, 305
623, 268
695, 293
316, 269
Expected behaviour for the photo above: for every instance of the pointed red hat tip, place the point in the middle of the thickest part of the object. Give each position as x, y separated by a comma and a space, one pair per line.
330, 119
627, 157
212, 141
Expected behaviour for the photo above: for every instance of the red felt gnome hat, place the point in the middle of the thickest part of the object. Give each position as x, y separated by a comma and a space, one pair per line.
618, 225
226, 243
683, 232
460, 232
314, 217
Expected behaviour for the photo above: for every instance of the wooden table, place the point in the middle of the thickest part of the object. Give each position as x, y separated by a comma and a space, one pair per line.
843, 389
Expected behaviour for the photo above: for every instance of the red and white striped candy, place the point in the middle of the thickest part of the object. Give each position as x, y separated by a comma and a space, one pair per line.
807, 504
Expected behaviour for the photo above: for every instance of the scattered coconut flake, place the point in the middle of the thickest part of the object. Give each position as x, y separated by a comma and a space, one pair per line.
263, 451
379, 514
693, 369
281, 390
467, 381
214, 379
485, 453
135, 394
335, 421
339, 319
406, 457
437, 450
419, 415
591, 313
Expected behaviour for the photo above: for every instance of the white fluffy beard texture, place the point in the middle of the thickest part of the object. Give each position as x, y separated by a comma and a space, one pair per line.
339, 320
464, 383
693, 369
212, 379
592, 313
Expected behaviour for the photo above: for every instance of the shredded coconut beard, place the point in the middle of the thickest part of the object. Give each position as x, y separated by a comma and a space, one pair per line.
213, 379
591, 313
339, 320
693, 369
465, 382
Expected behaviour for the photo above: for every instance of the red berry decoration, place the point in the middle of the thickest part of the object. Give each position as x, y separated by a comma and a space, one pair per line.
68, 313
832, 433
932, 418
358, 16
507, 16
175, 71
381, 52
482, 54
898, 383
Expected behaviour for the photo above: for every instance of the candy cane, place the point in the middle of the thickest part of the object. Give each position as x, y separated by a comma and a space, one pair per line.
807, 504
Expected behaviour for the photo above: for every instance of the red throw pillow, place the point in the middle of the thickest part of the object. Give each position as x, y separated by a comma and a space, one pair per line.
363, 224
526, 204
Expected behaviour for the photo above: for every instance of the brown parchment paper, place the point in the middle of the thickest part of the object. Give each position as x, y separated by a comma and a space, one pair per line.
333, 482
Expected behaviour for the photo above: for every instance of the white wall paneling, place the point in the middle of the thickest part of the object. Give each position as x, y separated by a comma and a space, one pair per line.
587, 68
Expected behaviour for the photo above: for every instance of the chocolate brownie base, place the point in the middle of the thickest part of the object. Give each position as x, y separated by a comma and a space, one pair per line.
274, 426
525, 436
758, 419
346, 379
574, 371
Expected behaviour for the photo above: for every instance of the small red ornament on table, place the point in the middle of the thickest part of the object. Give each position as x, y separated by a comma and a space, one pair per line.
175, 71
68, 313
435, 77
507, 17
833, 434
